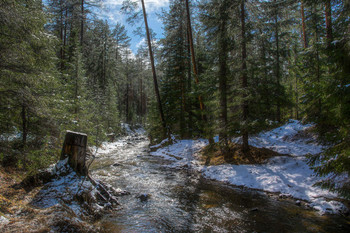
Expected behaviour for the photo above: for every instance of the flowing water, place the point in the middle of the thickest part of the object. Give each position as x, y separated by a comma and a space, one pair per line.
179, 200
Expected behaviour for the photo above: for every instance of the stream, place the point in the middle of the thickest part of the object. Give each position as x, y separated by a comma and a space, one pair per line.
162, 199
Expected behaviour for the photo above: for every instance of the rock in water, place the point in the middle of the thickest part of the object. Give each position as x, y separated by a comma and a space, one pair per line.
144, 197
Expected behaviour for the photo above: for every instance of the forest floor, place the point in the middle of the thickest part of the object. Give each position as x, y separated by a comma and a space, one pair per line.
282, 168
216, 154
19, 214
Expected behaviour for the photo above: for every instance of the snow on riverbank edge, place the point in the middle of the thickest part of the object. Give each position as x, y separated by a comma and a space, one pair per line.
290, 176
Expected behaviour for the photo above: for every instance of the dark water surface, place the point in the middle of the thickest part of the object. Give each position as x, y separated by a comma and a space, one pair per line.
183, 201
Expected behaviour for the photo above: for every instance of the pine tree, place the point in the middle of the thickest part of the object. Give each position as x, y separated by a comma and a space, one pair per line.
27, 76
333, 88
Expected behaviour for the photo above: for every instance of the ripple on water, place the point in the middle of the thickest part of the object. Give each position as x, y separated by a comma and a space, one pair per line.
182, 201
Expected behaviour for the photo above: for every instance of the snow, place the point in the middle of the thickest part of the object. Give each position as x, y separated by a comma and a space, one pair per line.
64, 187
3, 220
287, 175
281, 140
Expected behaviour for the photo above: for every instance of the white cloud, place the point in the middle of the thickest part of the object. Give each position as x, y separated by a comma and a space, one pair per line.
111, 9
142, 42
151, 5
130, 54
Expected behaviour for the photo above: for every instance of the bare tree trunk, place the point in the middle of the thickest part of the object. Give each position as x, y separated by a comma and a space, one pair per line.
156, 89
61, 36
194, 64
127, 102
278, 74
24, 125
64, 37
303, 24
182, 80
245, 145
189, 86
318, 66
76, 83
296, 99
195, 71
328, 16
82, 23
223, 70
141, 95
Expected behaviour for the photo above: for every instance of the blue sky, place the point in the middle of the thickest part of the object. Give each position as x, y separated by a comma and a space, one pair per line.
110, 10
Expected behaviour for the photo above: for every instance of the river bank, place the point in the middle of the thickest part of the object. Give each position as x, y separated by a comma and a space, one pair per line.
18, 213
162, 191
288, 176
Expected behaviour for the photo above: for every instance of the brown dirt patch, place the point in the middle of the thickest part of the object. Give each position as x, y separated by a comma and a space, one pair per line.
10, 199
217, 154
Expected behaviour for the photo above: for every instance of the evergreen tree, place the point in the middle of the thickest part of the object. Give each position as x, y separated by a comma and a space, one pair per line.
27, 77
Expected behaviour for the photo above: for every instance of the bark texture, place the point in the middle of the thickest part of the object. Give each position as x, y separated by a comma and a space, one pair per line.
74, 148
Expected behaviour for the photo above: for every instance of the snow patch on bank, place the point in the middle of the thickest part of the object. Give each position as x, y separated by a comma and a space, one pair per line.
283, 141
64, 188
3, 220
290, 176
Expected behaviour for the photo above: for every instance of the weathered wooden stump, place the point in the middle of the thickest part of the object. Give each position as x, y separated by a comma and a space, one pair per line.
74, 148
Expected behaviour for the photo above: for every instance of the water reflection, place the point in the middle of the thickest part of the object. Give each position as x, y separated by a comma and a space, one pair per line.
182, 201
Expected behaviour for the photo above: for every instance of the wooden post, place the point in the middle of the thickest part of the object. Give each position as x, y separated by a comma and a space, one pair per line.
74, 148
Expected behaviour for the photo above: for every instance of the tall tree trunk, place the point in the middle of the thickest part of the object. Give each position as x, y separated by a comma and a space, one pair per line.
82, 23
328, 16
182, 80
265, 80
127, 94
303, 24
317, 57
189, 85
195, 71
64, 36
141, 94
193, 56
61, 36
278, 74
77, 71
104, 59
245, 145
318, 66
296, 98
156, 89
223, 46
127, 102
24, 125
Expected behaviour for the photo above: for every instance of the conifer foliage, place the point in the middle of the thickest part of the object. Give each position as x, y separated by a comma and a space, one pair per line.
63, 69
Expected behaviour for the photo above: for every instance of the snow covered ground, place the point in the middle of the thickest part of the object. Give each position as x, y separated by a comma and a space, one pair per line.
290, 176
64, 187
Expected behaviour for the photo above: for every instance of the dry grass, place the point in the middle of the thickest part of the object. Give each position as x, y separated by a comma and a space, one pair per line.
15, 206
10, 199
217, 154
